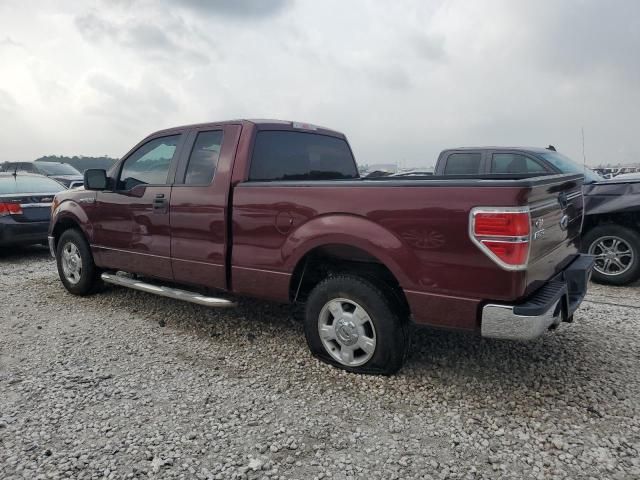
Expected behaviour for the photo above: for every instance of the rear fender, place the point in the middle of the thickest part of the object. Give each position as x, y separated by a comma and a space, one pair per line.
353, 231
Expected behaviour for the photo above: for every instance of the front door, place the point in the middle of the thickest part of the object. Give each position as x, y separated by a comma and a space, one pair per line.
131, 224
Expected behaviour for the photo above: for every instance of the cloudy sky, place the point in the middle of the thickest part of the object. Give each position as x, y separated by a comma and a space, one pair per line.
402, 79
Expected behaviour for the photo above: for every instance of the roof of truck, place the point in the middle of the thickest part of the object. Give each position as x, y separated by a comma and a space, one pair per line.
519, 149
262, 122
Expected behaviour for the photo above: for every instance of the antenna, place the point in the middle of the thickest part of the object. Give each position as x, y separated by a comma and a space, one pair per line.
584, 157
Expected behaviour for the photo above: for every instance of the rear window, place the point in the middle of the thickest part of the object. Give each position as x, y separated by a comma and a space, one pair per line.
463, 163
17, 167
279, 155
50, 168
27, 184
566, 165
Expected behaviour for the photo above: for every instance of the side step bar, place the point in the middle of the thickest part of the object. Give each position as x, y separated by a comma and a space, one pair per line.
168, 292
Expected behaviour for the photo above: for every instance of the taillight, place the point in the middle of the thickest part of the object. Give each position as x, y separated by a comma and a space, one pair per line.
503, 234
10, 209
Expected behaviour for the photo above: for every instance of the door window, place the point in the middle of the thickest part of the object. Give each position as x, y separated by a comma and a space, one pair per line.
149, 164
514, 163
204, 158
463, 163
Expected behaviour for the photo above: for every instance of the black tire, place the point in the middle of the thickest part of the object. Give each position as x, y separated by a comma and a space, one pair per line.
384, 314
89, 275
630, 237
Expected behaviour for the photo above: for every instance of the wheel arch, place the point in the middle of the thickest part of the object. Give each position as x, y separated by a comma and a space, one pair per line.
66, 220
330, 259
626, 219
346, 243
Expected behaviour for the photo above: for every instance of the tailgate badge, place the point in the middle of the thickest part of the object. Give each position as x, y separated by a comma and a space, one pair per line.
539, 233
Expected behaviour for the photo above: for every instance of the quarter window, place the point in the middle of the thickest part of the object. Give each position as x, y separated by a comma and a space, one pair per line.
284, 155
514, 163
463, 163
149, 164
204, 158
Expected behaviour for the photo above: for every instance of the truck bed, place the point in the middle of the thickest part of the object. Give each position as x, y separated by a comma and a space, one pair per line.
416, 227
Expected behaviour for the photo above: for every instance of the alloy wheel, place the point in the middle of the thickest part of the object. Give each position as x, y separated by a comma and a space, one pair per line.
613, 255
347, 332
71, 263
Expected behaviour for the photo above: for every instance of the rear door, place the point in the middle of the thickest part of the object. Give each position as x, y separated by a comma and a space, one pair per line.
131, 221
199, 206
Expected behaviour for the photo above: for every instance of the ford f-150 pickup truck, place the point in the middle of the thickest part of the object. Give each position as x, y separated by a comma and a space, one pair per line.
276, 210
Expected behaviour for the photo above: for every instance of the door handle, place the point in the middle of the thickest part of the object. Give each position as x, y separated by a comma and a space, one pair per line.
160, 203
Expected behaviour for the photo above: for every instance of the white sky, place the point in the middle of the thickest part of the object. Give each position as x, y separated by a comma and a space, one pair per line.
402, 79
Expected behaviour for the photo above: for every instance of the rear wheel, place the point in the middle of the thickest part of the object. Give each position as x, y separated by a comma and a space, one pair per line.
76, 268
353, 324
617, 252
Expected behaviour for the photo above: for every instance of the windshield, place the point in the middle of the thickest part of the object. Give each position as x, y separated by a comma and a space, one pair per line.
566, 165
28, 184
51, 168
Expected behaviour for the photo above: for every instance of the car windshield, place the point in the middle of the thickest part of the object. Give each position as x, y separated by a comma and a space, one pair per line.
51, 168
566, 165
28, 184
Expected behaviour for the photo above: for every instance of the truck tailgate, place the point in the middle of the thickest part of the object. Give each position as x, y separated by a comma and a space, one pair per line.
556, 221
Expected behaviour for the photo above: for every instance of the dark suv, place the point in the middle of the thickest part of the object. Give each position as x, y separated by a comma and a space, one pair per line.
61, 172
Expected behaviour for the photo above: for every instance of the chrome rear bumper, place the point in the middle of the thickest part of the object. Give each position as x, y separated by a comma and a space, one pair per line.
551, 304
499, 321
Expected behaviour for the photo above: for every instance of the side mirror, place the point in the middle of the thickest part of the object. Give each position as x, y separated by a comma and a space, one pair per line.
95, 179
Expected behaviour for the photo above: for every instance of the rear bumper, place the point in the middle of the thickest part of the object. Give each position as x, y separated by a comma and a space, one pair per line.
19, 233
546, 308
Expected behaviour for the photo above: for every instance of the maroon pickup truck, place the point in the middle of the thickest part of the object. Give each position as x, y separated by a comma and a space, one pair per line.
276, 210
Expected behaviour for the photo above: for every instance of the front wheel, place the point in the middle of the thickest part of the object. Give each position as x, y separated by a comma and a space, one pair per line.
355, 325
617, 252
76, 269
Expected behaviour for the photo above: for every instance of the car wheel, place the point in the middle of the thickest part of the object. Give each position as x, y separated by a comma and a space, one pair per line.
76, 268
353, 324
617, 252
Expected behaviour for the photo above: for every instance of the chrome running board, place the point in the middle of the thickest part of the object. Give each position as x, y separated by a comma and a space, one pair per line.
175, 293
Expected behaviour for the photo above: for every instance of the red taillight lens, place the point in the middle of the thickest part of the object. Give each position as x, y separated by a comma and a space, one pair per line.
10, 209
503, 235
503, 224
511, 253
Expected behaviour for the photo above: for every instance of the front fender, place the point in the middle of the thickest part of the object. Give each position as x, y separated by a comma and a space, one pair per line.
353, 231
69, 210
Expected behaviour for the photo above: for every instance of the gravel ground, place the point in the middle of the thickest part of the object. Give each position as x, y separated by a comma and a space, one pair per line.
126, 385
